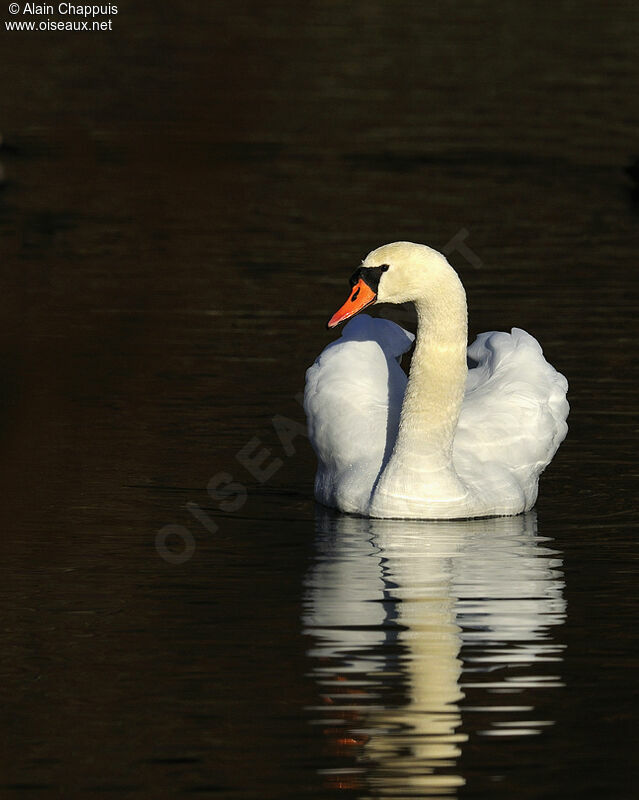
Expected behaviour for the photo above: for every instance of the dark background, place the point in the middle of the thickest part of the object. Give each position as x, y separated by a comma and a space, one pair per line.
183, 200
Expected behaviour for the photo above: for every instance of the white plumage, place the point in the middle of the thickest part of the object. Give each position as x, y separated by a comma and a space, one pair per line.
477, 450
513, 417
353, 398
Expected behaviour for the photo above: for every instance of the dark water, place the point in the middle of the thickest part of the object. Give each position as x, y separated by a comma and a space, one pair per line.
184, 199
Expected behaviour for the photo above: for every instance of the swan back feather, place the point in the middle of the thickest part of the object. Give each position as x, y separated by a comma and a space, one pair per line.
353, 398
513, 417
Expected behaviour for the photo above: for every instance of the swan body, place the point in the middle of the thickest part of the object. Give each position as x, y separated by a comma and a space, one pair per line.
447, 442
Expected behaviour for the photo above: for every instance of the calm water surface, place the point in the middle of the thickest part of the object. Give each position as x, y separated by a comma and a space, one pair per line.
183, 202
411, 621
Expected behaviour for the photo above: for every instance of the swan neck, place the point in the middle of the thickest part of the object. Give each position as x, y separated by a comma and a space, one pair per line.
437, 379
420, 478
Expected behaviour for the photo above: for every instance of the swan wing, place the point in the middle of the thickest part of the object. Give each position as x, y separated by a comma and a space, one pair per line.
353, 399
513, 417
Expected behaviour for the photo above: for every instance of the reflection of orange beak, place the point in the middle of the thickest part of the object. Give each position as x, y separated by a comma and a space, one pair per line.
361, 296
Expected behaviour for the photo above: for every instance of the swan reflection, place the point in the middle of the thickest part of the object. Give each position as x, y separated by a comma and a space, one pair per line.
410, 618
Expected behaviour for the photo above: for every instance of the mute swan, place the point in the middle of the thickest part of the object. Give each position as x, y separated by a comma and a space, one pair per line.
448, 442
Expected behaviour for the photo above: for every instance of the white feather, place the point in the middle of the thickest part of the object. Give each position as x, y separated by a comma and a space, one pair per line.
513, 417
512, 420
353, 398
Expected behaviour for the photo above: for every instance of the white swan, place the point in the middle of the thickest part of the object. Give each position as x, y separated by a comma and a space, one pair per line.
448, 442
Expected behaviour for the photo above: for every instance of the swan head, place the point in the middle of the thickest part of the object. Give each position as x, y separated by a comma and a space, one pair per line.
400, 272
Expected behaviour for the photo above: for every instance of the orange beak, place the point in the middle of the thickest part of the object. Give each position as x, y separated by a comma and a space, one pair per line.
361, 297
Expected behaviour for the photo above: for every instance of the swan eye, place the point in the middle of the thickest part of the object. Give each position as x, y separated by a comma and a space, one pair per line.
370, 276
